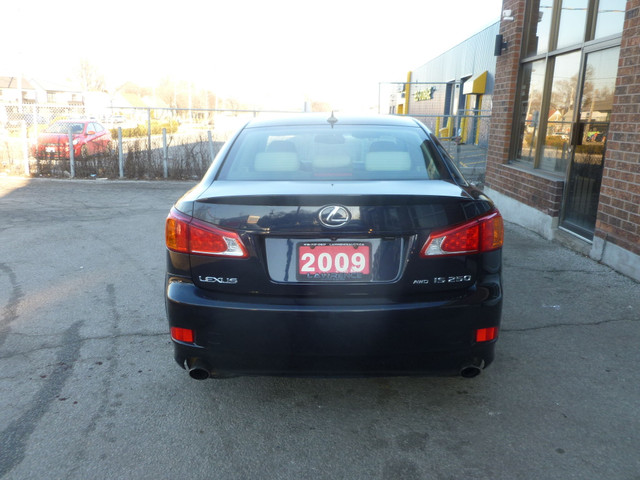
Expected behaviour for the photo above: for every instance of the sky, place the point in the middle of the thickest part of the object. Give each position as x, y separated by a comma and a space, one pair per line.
278, 52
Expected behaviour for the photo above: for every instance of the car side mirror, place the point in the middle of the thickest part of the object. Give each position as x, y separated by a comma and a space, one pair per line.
91, 132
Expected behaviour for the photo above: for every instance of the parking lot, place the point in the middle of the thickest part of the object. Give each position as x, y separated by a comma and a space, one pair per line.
90, 389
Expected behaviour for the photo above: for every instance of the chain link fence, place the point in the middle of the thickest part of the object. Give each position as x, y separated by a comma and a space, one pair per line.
151, 143
440, 106
466, 138
123, 142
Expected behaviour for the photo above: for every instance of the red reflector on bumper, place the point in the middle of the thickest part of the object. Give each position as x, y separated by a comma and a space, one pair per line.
486, 334
182, 334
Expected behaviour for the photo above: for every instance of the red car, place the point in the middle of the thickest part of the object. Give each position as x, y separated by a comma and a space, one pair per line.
89, 138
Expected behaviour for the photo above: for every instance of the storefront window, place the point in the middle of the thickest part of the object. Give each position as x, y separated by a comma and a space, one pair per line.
558, 33
532, 88
540, 27
555, 155
573, 18
610, 17
599, 86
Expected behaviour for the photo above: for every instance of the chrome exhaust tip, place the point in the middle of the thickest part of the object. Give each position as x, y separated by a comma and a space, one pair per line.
198, 370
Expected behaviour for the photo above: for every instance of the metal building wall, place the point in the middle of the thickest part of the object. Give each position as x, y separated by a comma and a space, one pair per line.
469, 58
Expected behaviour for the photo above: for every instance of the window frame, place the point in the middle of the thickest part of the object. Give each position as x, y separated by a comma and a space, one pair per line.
588, 44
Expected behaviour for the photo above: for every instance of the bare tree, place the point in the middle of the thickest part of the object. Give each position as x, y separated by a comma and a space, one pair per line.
90, 77
167, 91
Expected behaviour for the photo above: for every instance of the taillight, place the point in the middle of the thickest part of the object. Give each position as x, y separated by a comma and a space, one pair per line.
187, 235
486, 334
479, 235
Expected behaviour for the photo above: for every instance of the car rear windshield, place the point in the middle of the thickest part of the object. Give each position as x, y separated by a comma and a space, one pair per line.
344, 152
63, 127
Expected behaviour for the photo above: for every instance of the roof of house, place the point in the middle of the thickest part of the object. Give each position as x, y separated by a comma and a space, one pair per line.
133, 100
12, 82
50, 86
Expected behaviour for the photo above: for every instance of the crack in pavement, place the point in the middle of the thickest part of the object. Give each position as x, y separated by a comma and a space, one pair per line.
14, 438
107, 383
575, 324
10, 310
546, 270
83, 340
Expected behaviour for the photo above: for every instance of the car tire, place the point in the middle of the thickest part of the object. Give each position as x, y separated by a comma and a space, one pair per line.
84, 152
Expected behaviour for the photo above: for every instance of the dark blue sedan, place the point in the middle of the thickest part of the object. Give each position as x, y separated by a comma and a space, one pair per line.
328, 245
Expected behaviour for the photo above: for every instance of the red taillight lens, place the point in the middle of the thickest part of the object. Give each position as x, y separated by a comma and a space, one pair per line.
182, 334
479, 235
185, 235
486, 334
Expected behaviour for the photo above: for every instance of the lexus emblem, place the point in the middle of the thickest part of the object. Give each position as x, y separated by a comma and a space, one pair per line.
334, 216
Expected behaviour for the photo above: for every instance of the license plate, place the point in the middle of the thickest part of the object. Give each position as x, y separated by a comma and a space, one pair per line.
50, 149
334, 262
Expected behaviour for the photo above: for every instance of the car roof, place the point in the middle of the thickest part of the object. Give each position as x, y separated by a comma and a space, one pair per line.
338, 119
78, 120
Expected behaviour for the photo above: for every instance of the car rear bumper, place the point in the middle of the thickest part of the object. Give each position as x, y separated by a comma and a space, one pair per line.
299, 338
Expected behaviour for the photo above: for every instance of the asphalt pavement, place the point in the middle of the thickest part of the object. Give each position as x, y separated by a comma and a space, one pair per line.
89, 388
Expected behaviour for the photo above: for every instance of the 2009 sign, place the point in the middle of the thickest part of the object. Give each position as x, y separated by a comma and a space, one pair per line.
318, 259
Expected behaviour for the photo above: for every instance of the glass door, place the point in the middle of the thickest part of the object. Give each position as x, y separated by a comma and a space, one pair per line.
588, 142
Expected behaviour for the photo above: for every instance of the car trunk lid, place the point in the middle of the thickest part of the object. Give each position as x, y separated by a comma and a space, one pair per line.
292, 246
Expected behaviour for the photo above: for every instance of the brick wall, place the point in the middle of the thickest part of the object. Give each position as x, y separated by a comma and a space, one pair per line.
542, 193
504, 94
619, 209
